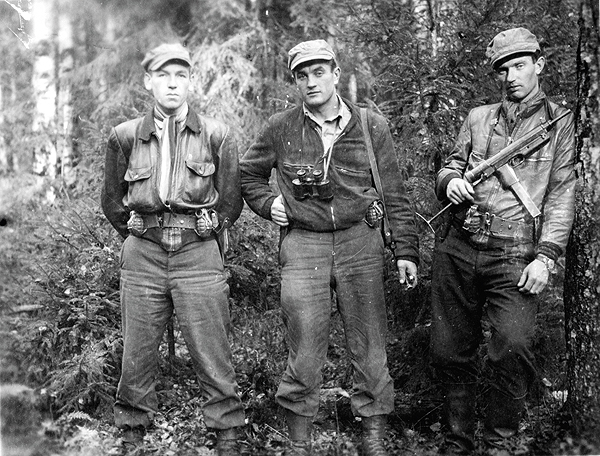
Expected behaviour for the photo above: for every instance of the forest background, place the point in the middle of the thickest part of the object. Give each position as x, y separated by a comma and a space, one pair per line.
71, 71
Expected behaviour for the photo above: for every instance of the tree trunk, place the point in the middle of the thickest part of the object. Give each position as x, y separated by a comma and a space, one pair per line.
66, 62
45, 87
3, 150
582, 286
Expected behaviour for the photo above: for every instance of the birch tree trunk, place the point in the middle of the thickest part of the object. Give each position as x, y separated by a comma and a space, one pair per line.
44, 84
432, 25
66, 61
582, 286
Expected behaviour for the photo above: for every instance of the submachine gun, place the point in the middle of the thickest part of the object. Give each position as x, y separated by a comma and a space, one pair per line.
500, 163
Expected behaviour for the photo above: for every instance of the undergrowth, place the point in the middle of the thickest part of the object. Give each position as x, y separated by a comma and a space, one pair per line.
60, 333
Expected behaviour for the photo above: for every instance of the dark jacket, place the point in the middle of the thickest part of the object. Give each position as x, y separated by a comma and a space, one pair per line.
205, 172
291, 141
548, 174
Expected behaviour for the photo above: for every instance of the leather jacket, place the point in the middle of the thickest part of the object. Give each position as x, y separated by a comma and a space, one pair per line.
291, 141
205, 171
547, 174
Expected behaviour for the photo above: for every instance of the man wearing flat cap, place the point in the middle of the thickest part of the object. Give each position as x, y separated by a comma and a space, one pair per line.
502, 245
328, 209
171, 190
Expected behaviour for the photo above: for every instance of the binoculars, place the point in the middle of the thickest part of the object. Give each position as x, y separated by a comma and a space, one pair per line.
311, 184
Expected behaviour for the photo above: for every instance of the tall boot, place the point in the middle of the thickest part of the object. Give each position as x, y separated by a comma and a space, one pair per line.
227, 442
459, 418
503, 414
299, 432
374, 435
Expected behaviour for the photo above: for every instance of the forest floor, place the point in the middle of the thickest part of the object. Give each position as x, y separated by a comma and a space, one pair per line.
60, 351
414, 428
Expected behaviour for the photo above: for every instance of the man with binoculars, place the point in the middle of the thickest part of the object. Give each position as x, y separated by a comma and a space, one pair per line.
331, 240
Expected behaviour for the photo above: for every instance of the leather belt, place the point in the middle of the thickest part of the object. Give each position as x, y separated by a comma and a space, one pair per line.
169, 220
496, 226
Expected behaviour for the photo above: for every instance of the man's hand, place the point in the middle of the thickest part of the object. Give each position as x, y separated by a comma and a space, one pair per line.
534, 278
459, 190
278, 214
407, 270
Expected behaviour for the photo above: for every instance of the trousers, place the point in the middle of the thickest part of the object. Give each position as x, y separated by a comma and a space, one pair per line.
190, 282
350, 262
466, 282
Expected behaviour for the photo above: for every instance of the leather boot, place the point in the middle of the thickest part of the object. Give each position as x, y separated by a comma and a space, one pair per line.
299, 432
227, 442
503, 414
373, 439
459, 418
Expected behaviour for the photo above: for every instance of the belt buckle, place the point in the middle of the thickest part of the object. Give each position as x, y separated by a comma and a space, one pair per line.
486, 221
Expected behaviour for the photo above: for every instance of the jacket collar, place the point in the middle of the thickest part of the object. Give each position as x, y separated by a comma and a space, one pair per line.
524, 110
354, 112
148, 128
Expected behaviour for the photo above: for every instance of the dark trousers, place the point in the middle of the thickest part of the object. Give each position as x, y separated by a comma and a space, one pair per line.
465, 280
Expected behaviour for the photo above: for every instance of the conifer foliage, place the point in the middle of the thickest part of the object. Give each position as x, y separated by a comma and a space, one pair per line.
420, 63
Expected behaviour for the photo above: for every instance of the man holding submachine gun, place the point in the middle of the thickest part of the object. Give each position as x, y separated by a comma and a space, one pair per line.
510, 185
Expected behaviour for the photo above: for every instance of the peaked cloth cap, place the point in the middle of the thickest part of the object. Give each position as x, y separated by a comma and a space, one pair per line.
309, 50
157, 57
509, 42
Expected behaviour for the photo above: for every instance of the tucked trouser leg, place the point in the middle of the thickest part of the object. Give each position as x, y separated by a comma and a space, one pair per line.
463, 279
457, 301
459, 416
510, 358
200, 296
145, 309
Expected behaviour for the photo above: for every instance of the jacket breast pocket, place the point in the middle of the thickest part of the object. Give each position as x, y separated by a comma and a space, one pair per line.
290, 170
198, 186
358, 178
139, 191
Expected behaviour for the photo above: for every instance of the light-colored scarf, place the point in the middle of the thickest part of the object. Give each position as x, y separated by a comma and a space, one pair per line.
167, 130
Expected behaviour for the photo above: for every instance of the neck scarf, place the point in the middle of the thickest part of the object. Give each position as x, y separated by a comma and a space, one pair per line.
167, 129
512, 111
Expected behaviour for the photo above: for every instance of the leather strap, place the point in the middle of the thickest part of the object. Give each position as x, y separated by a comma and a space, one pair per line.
169, 220
495, 226
387, 231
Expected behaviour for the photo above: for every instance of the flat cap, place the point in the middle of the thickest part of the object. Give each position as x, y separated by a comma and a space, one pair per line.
157, 57
309, 50
509, 42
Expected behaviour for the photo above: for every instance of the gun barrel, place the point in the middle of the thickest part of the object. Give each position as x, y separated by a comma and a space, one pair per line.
534, 137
